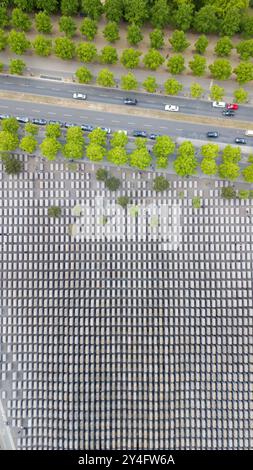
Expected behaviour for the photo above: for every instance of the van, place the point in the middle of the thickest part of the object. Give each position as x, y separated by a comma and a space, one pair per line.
249, 133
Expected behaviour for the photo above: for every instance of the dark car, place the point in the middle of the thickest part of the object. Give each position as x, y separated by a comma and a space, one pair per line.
228, 112
240, 140
87, 128
4, 116
213, 134
22, 119
131, 101
52, 121
140, 134
40, 122
154, 136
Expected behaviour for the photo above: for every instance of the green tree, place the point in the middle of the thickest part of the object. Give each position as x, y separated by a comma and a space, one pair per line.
49, 6
111, 32
228, 192
4, 17
244, 72
156, 39
140, 142
43, 23
163, 147
12, 166
102, 174
92, 8
95, 152
209, 166
150, 84
140, 158
129, 82
73, 150
230, 24
123, 201
119, 139
205, 20
245, 49
68, 26
241, 95
216, 93
89, 28
172, 87
64, 48
223, 47
153, 59
20, 20
50, 148
114, 10
178, 41
118, 156
162, 162
18, 42
198, 65
31, 128
243, 194
106, 78
231, 154
16, 66
83, 75
1, 67
161, 184
176, 64
201, 44
221, 69
186, 162
42, 46
136, 11
248, 174
108, 55
196, 202
86, 52
183, 15
112, 183
10, 125
8, 141
247, 26
54, 212
75, 134
28, 144
69, 8
53, 130
3, 40
134, 34
196, 90
229, 170
210, 151
130, 58
98, 136
160, 14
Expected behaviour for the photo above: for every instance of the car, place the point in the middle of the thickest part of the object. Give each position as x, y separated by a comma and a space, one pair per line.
79, 96
130, 101
154, 136
171, 107
39, 122
232, 106
4, 116
61, 123
106, 129
228, 112
70, 124
87, 127
122, 131
140, 134
22, 119
219, 104
213, 134
240, 140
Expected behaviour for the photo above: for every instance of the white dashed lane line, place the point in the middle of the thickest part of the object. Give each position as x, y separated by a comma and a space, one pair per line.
3, 106
35, 111
20, 109
99, 119
50, 112
68, 115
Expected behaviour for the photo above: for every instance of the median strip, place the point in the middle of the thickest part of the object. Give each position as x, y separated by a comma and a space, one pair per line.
119, 109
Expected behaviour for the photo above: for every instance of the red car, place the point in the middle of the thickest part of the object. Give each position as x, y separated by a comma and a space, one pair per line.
232, 106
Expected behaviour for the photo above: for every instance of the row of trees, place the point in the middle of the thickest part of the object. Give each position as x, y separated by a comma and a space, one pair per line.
86, 52
226, 17
96, 150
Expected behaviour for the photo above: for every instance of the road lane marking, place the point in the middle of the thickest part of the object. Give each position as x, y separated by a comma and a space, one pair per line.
20, 109
147, 125
35, 111
99, 119
83, 117
3, 106
68, 115
50, 112
41, 87
179, 129
131, 123
163, 127
116, 121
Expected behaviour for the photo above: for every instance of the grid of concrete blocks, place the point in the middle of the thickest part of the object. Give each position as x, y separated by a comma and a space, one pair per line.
124, 343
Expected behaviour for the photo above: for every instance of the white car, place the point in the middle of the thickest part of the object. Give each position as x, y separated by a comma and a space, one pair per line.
171, 107
122, 131
79, 96
219, 104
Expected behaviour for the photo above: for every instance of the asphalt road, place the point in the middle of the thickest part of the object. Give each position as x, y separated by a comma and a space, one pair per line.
117, 121
103, 95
